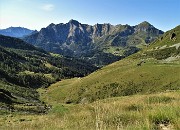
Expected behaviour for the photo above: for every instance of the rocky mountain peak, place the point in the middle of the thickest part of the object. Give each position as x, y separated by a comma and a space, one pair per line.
147, 27
144, 23
52, 24
75, 22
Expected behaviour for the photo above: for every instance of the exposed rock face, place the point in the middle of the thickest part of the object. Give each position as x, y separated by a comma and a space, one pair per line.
76, 39
173, 35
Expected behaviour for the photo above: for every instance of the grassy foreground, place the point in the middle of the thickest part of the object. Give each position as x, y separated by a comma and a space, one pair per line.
137, 112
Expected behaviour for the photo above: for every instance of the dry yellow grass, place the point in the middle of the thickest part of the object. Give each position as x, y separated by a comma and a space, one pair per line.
127, 113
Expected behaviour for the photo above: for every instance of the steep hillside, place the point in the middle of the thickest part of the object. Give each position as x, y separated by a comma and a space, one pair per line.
86, 41
15, 98
154, 69
167, 47
16, 31
169, 38
15, 43
24, 68
18, 58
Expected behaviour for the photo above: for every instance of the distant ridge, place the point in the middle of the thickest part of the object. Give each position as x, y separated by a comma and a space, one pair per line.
16, 31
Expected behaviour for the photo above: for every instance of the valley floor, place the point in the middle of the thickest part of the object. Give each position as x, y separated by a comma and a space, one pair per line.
154, 111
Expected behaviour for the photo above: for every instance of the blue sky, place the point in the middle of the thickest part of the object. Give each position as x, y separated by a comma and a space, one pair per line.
35, 14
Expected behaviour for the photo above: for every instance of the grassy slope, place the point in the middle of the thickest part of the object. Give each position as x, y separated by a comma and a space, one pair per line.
166, 38
128, 113
125, 77
118, 79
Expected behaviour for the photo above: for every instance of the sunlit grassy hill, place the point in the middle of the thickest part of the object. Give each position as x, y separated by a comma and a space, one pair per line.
154, 69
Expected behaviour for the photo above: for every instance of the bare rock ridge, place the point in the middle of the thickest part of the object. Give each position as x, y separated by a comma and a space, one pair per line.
79, 40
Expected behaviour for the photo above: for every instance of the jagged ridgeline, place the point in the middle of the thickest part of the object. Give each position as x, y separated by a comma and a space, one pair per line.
100, 44
23, 68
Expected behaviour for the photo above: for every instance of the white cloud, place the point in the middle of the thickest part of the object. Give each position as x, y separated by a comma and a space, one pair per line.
48, 7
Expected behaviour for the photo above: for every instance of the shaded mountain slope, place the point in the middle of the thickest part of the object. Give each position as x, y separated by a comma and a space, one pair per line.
18, 58
15, 43
86, 41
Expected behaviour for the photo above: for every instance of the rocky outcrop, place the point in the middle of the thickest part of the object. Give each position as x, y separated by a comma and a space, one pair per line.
173, 36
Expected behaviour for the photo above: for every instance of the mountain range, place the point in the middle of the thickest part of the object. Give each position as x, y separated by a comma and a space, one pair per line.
18, 32
99, 44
